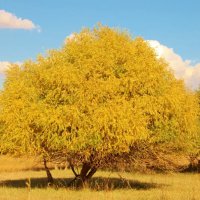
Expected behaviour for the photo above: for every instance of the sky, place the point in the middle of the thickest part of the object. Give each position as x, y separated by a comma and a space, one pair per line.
172, 27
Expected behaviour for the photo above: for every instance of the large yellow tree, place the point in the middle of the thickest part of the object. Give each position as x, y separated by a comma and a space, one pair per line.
93, 99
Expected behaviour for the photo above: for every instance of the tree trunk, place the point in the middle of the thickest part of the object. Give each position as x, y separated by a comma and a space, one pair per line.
91, 173
49, 176
85, 169
86, 173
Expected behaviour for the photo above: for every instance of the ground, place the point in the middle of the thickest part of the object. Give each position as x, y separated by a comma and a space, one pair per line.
31, 185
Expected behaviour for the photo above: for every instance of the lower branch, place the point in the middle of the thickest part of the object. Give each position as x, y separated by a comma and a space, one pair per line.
49, 176
73, 170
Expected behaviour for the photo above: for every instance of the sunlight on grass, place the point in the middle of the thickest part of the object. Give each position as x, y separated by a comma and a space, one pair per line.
141, 186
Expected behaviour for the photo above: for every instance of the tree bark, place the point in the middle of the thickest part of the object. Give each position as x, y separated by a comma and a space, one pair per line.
91, 173
85, 169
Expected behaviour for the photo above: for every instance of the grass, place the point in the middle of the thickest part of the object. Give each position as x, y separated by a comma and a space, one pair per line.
18, 164
31, 185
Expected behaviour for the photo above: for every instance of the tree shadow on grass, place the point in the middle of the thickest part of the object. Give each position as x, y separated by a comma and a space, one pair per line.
96, 183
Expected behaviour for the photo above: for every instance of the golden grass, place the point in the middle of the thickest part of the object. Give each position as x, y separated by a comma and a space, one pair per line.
105, 185
8, 164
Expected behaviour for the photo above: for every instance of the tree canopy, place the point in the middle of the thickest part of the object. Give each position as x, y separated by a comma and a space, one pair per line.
97, 96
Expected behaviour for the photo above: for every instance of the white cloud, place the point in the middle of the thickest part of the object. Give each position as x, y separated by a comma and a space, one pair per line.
183, 69
10, 21
4, 65
70, 37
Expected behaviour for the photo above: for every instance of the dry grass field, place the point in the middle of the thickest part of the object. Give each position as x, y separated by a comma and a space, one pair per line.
31, 185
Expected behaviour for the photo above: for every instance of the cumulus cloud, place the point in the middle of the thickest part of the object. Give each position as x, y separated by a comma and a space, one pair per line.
183, 69
10, 21
70, 37
4, 65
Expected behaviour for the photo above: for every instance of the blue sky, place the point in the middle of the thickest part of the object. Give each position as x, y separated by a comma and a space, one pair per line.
174, 23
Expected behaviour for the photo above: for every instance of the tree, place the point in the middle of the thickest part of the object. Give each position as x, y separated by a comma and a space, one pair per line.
93, 100
194, 164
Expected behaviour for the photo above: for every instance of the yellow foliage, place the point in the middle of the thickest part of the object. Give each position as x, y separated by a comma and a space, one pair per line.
102, 92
